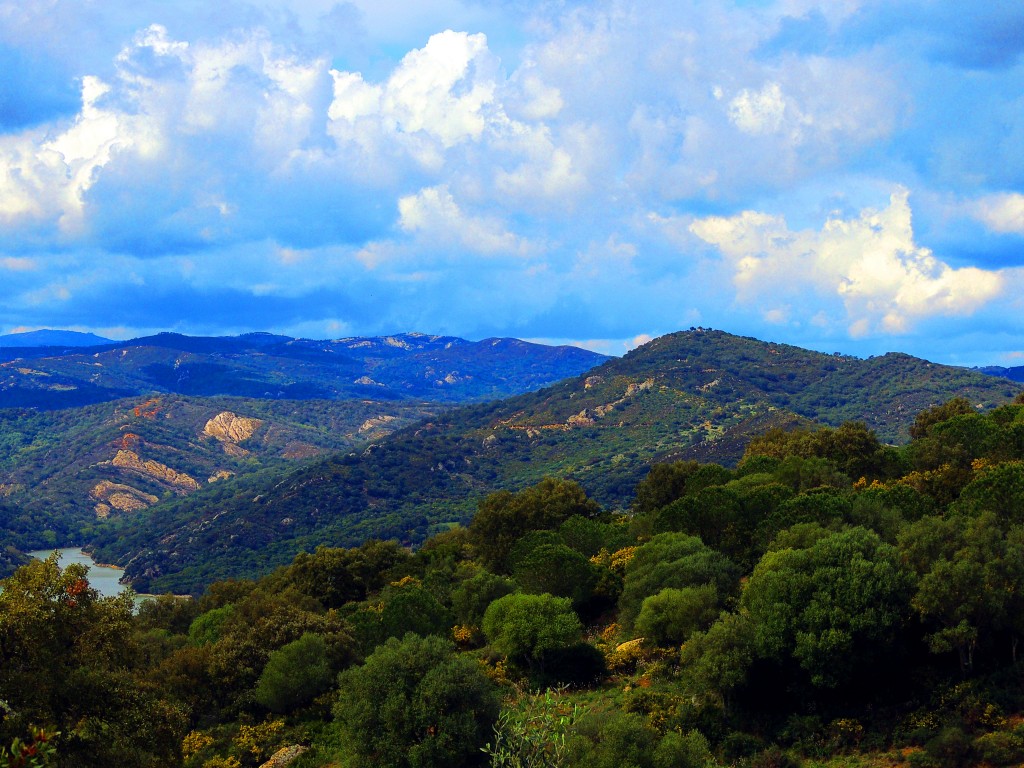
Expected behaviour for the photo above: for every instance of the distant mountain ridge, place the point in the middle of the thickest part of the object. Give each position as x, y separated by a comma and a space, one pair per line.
696, 394
1015, 373
51, 338
408, 366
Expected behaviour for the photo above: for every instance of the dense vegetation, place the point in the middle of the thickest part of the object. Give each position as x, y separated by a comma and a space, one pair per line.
691, 395
829, 601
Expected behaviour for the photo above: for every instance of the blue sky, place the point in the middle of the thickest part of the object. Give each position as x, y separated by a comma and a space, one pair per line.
846, 176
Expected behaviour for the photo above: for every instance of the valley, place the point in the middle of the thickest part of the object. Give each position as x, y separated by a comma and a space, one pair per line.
298, 474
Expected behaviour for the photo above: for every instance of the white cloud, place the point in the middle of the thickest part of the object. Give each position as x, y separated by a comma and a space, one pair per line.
438, 96
883, 278
758, 111
16, 264
433, 214
1002, 213
47, 179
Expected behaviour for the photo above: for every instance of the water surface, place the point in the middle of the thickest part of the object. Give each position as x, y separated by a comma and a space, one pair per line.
103, 578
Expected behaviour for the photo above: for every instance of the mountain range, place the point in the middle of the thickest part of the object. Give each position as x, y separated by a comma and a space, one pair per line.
696, 394
409, 366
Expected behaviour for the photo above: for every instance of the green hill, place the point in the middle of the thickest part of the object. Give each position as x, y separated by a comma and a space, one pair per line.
64, 473
698, 394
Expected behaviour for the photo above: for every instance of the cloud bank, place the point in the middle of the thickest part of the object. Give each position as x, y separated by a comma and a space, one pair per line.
601, 171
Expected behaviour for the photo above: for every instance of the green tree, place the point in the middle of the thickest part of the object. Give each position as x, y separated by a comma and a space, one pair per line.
832, 607
716, 661
672, 560
294, 674
524, 627
67, 657
415, 703
557, 570
503, 517
969, 579
471, 598
413, 609
672, 615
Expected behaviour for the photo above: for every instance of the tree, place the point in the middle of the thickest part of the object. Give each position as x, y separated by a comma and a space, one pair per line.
558, 570
523, 627
672, 615
663, 484
295, 673
717, 661
672, 560
471, 598
832, 607
967, 580
415, 703
928, 418
503, 517
67, 658
413, 609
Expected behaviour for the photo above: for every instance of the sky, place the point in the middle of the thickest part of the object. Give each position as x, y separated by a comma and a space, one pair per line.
845, 176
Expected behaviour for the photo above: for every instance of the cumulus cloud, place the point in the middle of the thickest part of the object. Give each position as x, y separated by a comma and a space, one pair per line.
872, 263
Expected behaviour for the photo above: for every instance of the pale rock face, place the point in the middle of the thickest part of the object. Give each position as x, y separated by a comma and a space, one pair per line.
284, 756
375, 423
130, 461
116, 496
231, 428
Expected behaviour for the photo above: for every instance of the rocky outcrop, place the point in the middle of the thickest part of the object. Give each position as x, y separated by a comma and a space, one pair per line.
229, 427
377, 427
122, 498
129, 461
284, 756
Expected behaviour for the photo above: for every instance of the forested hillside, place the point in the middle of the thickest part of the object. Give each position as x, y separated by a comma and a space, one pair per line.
828, 602
698, 394
63, 474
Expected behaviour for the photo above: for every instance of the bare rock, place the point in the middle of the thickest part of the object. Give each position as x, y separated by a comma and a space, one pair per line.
231, 428
117, 496
130, 462
284, 756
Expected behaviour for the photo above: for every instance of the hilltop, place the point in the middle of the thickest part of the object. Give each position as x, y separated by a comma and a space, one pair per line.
695, 394
51, 338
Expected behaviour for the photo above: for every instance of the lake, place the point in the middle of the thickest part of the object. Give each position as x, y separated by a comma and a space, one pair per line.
103, 578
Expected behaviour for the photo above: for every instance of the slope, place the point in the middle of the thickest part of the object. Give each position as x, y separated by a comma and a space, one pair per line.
697, 393
63, 473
